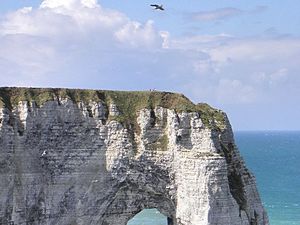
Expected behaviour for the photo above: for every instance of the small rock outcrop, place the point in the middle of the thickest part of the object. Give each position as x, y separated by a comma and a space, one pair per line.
87, 157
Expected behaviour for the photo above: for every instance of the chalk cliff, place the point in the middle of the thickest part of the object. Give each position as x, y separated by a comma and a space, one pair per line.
81, 157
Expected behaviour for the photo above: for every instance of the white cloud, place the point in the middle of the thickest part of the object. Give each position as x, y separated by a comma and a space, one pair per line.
244, 70
68, 4
54, 44
257, 49
138, 35
78, 43
199, 42
67, 18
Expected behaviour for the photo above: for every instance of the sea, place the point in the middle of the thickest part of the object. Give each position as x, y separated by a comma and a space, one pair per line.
274, 158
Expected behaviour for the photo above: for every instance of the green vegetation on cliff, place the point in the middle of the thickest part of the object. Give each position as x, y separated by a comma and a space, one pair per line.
127, 102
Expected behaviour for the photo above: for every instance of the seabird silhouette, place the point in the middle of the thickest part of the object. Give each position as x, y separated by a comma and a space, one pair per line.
160, 7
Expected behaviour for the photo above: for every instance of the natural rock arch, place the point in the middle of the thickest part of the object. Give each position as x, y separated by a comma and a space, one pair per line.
99, 157
140, 190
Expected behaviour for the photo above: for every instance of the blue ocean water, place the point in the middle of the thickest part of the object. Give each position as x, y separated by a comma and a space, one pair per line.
148, 217
274, 158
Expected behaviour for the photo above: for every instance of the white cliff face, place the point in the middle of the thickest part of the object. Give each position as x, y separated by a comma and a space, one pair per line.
72, 163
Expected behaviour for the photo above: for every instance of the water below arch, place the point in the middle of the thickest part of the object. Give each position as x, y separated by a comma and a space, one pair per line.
148, 217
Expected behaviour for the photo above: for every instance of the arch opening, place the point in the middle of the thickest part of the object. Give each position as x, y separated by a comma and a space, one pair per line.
150, 217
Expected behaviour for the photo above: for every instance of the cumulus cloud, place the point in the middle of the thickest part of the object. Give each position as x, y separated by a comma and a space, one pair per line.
68, 4
64, 42
132, 34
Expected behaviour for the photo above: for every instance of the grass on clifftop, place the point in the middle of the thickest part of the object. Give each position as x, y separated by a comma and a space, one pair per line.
127, 102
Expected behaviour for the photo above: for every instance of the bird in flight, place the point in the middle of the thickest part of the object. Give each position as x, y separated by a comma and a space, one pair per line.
160, 7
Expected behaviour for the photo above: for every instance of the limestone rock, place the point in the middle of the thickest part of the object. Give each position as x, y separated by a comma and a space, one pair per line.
99, 157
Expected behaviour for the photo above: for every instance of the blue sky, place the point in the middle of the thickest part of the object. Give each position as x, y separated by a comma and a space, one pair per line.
239, 56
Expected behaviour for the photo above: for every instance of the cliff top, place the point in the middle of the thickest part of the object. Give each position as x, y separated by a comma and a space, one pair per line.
128, 102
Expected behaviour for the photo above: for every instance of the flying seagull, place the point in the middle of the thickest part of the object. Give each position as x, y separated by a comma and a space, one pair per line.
160, 7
